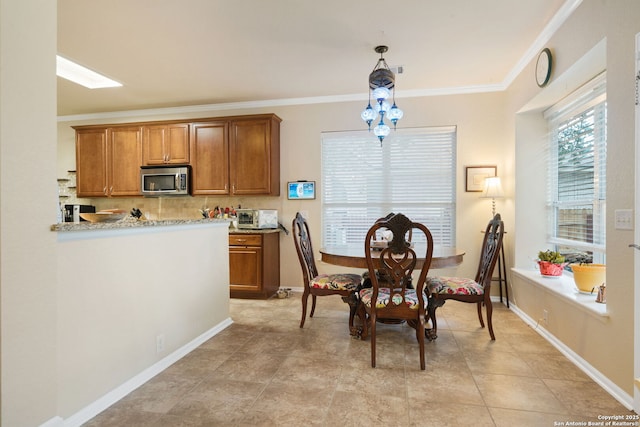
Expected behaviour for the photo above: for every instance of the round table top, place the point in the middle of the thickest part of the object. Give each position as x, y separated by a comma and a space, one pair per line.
353, 256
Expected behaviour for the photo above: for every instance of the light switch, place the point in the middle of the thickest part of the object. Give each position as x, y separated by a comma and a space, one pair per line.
624, 219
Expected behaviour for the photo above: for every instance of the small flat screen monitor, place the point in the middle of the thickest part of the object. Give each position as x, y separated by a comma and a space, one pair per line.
300, 190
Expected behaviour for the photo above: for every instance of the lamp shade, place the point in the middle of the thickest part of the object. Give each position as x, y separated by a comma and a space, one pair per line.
492, 188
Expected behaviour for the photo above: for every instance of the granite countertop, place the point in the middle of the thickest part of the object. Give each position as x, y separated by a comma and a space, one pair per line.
131, 222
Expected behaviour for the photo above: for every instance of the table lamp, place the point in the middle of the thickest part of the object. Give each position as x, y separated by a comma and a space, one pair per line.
493, 191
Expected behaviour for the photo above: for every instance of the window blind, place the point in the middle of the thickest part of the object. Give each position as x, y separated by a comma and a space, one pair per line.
577, 172
412, 172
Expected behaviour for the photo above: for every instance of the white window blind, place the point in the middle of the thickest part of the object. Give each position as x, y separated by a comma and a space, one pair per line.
413, 173
577, 173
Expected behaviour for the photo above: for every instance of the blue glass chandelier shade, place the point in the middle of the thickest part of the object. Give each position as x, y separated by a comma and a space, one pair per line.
381, 83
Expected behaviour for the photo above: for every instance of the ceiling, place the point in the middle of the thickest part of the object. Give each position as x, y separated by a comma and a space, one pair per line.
174, 53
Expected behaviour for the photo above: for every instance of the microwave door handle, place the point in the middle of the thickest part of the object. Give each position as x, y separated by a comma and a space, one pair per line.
177, 181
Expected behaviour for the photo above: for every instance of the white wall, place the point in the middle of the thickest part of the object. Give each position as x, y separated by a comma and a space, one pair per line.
28, 199
118, 290
594, 25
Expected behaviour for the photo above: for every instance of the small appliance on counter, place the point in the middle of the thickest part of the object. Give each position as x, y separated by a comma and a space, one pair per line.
257, 219
72, 212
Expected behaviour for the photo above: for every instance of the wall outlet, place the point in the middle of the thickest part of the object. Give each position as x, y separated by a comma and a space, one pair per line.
160, 343
545, 316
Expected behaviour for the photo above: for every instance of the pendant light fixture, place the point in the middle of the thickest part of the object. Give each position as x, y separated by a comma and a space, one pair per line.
381, 83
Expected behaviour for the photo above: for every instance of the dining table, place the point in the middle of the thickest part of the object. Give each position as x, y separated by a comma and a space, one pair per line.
354, 257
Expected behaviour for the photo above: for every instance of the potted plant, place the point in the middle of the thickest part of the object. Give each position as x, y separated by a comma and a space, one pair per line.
588, 276
551, 263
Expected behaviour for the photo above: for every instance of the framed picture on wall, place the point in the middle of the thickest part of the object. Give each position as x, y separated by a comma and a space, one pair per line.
301, 190
476, 176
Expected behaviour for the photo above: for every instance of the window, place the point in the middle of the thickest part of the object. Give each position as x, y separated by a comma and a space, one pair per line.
412, 172
577, 173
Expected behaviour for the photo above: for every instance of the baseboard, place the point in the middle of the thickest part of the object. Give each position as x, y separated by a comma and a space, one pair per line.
597, 376
93, 409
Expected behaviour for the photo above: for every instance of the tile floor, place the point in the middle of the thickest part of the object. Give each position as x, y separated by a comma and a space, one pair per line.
265, 371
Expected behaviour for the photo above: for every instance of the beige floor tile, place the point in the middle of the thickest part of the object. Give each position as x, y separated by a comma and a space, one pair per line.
554, 366
514, 392
445, 387
450, 414
217, 402
309, 371
586, 399
505, 363
287, 404
264, 370
160, 394
375, 407
250, 367
511, 418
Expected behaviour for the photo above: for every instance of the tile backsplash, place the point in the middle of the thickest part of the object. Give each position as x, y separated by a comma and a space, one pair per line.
182, 207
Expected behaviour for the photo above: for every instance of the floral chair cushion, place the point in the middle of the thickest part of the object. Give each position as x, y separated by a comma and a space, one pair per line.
454, 286
336, 282
411, 298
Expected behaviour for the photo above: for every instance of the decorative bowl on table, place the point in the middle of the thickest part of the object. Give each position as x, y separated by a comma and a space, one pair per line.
110, 215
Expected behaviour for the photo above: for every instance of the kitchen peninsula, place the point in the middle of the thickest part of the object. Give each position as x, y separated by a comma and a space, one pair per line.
134, 297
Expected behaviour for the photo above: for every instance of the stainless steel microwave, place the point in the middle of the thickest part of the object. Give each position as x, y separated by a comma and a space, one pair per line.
165, 180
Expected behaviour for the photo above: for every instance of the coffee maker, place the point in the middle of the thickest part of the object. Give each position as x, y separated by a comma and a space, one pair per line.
72, 212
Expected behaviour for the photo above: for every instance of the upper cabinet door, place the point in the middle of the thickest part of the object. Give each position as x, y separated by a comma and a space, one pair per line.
166, 144
254, 156
209, 158
125, 158
91, 163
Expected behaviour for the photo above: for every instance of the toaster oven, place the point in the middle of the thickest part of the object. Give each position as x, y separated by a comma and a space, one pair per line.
257, 218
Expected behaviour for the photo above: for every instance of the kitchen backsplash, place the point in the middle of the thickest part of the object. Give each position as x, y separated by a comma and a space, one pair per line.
186, 207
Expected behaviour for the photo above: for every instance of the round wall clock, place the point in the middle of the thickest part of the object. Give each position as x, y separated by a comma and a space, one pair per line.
543, 67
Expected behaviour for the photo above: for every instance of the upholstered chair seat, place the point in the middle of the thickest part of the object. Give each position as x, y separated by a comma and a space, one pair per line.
338, 282
454, 286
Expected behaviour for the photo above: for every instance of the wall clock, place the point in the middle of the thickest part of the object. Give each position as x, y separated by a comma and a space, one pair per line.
543, 67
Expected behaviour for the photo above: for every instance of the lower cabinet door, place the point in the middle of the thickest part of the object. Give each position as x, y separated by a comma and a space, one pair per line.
245, 269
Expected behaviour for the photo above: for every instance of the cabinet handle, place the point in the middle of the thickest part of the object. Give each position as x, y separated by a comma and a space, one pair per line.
104, 190
111, 189
241, 240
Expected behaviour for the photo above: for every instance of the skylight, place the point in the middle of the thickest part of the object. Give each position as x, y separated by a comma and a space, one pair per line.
83, 76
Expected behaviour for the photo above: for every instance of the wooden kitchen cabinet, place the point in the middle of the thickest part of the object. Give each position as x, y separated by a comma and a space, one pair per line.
165, 144
108, 161
238, 156
232, 156
254, 264
209, 158
254, 156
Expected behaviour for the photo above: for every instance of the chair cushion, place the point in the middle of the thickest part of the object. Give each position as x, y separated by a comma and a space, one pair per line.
453, 286
338, 282
411, 298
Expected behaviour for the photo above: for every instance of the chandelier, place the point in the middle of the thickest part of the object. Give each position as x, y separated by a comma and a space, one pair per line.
381, 83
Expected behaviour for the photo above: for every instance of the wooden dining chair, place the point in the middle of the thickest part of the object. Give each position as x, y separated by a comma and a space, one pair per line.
395, 299
315, 284
477, 290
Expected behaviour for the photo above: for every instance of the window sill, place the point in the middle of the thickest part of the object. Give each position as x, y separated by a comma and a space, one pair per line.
565, 288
